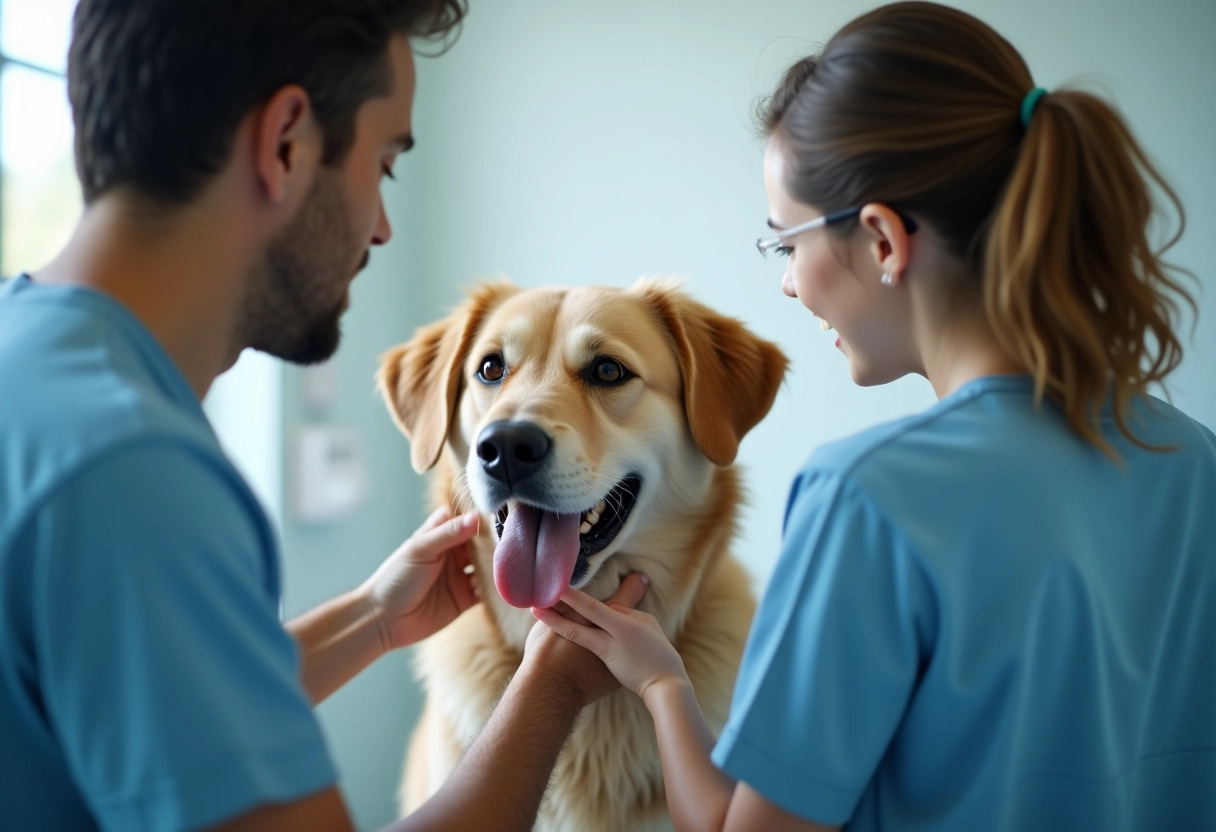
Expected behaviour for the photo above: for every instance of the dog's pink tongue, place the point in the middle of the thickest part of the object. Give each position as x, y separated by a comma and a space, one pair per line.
534, 560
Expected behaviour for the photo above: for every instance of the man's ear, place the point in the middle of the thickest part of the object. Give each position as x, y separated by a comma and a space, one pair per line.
421, 380
730, 376
287, 145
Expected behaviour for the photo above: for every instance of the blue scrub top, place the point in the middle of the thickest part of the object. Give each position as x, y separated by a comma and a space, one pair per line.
981, 622
146, 682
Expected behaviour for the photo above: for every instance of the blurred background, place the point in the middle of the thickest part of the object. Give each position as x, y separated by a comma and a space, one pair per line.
589, 143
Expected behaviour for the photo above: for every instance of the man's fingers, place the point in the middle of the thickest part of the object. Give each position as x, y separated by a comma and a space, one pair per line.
429, 544
461, 581
631, 591
593, 638
436, 517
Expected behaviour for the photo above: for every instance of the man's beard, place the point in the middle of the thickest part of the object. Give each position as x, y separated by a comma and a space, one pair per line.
292, 309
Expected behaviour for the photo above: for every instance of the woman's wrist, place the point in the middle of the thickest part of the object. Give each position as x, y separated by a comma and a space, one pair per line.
666, 692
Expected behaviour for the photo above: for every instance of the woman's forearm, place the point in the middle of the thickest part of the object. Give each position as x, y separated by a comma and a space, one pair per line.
698, 792
337, 640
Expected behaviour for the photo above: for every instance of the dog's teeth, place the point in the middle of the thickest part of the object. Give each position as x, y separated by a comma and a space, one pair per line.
600, 506
583, 529
824, 325
593, 517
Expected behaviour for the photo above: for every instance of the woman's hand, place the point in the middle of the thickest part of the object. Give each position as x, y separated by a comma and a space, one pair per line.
630, 643
580, 669
424, 585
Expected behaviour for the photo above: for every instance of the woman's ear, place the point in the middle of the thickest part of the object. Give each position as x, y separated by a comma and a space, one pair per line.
889, 244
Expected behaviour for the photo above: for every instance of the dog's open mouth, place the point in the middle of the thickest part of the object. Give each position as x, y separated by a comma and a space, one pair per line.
540, 552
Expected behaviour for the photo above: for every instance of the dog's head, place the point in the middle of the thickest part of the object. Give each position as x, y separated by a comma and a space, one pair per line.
576, 419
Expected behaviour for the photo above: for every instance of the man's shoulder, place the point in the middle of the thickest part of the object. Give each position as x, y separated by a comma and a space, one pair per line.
68, 403
78, 386
77, 361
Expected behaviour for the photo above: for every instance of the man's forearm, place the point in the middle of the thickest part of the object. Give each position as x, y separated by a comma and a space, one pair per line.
499, 784
337, 640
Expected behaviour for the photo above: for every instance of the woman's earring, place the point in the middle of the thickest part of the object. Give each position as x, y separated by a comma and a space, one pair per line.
887, 280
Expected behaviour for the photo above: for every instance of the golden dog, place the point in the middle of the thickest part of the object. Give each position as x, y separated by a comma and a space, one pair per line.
594, 430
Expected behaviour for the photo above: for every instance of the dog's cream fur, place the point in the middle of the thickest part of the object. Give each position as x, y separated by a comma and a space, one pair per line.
702, 382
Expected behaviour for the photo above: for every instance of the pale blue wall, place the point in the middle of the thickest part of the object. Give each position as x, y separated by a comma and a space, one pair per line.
595, 141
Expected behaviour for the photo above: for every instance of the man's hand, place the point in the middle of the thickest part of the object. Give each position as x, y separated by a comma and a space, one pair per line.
424, 585
547, 652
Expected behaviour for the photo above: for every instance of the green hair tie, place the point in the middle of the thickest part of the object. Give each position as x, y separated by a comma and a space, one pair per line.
1029, 103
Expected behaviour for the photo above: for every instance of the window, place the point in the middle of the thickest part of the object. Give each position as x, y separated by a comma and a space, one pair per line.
39, 194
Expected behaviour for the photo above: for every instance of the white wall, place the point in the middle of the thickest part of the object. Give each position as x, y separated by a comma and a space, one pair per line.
245, 405
597, 141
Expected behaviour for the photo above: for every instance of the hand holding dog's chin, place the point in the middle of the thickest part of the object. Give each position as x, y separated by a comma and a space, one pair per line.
631, 644
564, 667
572, 666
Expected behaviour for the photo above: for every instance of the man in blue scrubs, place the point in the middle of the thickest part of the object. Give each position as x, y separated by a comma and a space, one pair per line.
231, 155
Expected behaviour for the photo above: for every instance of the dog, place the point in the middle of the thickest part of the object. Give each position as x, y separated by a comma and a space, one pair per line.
594, 429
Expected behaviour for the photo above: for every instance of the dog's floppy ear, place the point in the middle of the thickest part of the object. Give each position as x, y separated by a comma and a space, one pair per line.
421, 379
730, 375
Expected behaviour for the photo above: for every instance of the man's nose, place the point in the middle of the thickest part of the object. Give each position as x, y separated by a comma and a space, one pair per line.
384, 231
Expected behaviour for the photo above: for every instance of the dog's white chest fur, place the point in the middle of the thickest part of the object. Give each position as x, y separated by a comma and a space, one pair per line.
608, 777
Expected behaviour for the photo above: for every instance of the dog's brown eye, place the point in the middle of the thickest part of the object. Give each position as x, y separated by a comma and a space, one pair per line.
492, 369
609, 371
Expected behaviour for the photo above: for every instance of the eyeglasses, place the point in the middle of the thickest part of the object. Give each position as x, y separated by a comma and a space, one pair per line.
765, 246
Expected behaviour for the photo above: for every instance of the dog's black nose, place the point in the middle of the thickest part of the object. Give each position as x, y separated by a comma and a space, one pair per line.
512, 451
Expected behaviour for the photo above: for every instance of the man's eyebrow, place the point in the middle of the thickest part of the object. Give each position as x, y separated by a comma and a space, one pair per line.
405, 142
774, 226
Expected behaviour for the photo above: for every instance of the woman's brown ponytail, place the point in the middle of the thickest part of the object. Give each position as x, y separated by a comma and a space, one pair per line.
1073, 287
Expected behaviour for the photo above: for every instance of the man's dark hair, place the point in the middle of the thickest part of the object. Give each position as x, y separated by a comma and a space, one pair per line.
158, 87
